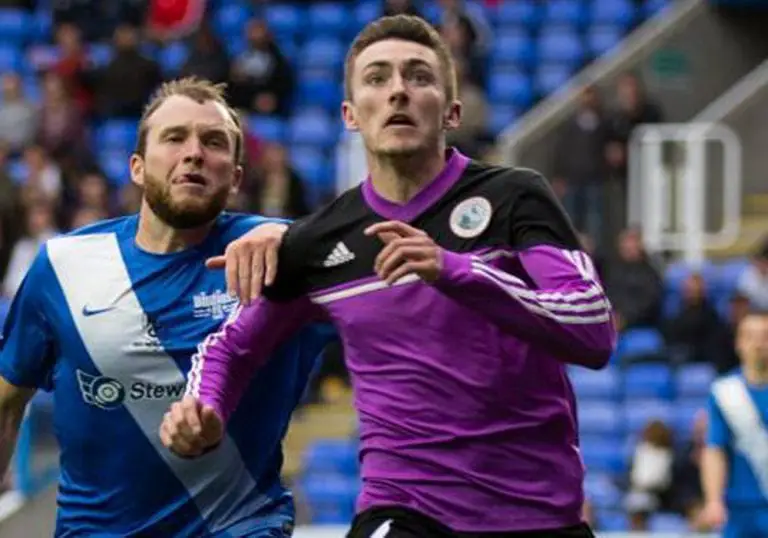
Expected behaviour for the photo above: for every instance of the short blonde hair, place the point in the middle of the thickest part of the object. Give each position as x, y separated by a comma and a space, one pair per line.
197, 89
407, 28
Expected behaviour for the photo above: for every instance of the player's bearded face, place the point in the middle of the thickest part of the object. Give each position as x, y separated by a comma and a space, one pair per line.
398, 98
184, 210
188, 170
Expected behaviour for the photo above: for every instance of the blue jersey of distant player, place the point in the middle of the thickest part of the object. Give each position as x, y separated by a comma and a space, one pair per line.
746, 446
110, 329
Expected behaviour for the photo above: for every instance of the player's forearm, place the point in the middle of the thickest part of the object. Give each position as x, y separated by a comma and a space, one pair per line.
13, 403
227, 360
714, 473
566, 311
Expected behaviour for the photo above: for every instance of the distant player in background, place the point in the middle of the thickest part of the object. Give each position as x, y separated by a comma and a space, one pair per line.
108, 318
735, 465
460, 293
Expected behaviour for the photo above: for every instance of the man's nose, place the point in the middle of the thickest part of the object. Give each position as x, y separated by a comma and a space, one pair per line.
193, 150
398, 89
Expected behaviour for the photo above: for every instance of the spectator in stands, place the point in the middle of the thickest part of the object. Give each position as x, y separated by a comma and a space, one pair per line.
650, 481
633, 107
472, 15
463, 40
468, 137
115, 98
687, 496
92, 193
10, 211
261, 77
693, 331
84, 216
580, 172
18, 116
633, 284
208, 59
129, 199
73, 67
40, 226
753, 282
399, 7
277, 191
588, 245
173, 19
61, 128
724, 348
44, 179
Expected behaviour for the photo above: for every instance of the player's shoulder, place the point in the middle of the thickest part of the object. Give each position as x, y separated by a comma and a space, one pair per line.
89, 239
108, 226
232, 225
727, 383
506, 180
342, 212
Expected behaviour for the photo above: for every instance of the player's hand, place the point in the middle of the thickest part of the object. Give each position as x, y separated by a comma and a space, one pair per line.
251, 261
189, 428
713, 515
406, 251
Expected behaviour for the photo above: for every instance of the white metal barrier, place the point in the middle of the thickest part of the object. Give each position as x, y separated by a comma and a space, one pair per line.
668, 198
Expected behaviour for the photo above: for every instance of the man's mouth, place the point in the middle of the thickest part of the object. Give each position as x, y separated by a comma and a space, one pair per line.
400, 120
190, 179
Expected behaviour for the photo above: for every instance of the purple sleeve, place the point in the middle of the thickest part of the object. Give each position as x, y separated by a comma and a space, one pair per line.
565, 309
227, 360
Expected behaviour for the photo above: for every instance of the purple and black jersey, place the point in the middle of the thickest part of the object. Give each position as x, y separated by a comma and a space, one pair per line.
466, 412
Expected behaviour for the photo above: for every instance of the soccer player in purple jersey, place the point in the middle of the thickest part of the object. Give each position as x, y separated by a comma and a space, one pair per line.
460, 292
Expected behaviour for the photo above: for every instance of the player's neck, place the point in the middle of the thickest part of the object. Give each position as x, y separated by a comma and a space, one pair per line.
155, 236
399, 179
756, 374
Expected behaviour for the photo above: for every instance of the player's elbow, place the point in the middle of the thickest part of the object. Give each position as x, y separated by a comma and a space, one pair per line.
596, 349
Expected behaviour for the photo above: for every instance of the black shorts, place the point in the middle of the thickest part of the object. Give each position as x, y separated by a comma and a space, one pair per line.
398, 522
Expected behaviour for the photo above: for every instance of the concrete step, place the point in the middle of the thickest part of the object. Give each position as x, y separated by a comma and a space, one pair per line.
756, 204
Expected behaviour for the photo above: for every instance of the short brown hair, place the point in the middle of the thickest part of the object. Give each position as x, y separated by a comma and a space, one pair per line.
407, 28
197, 89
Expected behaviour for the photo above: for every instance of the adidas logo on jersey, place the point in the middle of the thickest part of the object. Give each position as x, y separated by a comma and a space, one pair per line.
340, 254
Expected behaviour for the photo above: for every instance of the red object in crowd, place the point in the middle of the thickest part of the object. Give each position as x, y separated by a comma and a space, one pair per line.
175, 18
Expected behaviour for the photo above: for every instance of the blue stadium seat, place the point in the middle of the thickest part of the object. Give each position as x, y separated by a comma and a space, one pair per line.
16, 26
172, 57
41, 26
662, 522
694, 380
331, 499
5, 305
230, 19
648, 381
271, 128
613, 521
117, 135
603, 38
572, 12
312, 166
684, 415
114, 164
329, 18
640, 343
322, 52
729, 274
514, 46
602, 455
652, 7
600, 418
602, 384
638, 413
558, 44
319, 88
99, 54
331, 457
284, 18
313, 127
601, 490
18, 171
501, 117
551, 78
510, 87
620, 12
11, 58
366, 12
525, 12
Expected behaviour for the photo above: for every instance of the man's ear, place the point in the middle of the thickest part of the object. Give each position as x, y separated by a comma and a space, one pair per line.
136, 165
348, 115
